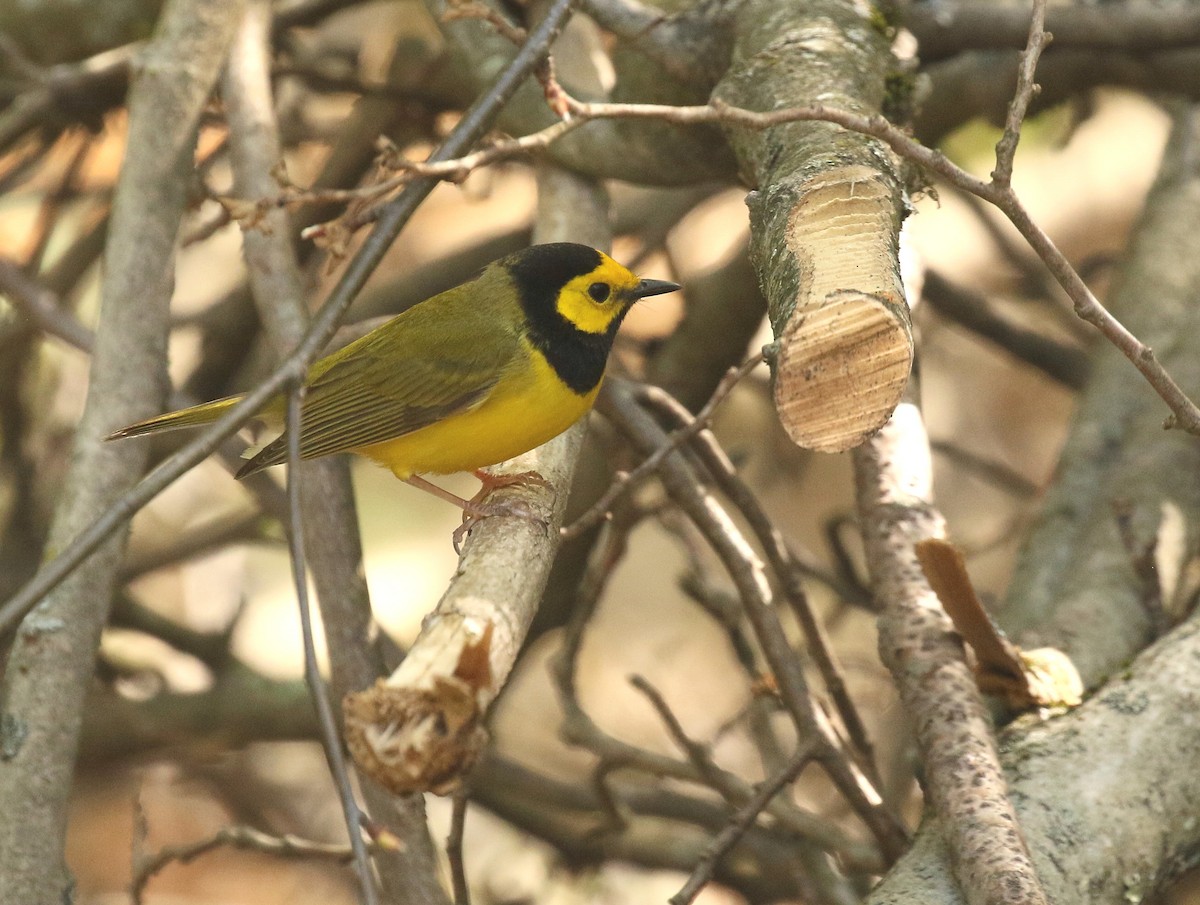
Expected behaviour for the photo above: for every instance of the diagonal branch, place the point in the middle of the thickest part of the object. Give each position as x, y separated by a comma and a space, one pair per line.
312, 490
1107, 812
618, 402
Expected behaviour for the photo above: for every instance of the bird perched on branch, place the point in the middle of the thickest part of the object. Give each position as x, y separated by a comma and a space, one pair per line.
468, 378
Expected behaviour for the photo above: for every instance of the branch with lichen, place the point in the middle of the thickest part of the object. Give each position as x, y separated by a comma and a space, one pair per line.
825, 215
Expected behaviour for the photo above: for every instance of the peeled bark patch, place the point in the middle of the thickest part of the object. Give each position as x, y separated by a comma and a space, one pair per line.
420, 729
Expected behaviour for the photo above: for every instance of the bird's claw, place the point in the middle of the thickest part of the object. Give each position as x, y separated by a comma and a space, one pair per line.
503, 508
512, 479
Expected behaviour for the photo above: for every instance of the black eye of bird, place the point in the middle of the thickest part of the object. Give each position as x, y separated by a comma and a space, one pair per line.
599, 291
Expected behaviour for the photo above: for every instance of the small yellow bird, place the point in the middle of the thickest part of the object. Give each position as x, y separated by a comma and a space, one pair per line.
468, 378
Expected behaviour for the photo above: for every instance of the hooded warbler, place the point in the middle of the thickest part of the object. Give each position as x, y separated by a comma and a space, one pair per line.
465, 379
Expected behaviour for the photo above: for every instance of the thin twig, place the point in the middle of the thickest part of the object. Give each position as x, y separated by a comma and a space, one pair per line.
617, 402
578, 728
1000, 475
331, 737
454, 846
52, 203
454, 170
599, 510
1066, 362
42, 307
201, 540
473, 9
787, 570
699, 754
1006, 148
240, 837
749, 805
726, 610
255, 147
741, 822
1184, 413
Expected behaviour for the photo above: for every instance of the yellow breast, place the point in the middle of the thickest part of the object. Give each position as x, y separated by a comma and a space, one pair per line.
526, 408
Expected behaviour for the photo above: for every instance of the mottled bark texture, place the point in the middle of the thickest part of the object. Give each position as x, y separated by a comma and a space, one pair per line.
53, 657
1116, 542
1107, 813
824, 217
962, 777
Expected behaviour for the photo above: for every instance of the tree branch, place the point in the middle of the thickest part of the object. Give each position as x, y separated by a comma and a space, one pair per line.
617, 402
1076, 587
956, 27
1093, 836
917, 642
470, 128
325, 494
824, 218
52, 662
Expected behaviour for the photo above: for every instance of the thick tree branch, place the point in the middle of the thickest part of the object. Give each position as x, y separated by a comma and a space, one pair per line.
327, 501
53, 657
656, 154
1063, 362
824, 218
954, 27
1106, 811
1076, 586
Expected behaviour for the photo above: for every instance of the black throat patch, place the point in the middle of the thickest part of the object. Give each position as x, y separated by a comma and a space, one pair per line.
538, 273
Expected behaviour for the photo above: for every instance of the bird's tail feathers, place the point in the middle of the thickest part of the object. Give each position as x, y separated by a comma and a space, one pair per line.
194, 416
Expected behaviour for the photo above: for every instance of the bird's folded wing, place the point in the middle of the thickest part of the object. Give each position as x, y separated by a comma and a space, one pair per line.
378, 394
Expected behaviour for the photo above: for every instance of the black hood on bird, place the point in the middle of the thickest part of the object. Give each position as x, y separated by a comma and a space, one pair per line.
539, 273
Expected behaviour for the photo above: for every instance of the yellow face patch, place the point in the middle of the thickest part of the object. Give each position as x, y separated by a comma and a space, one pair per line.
592, 302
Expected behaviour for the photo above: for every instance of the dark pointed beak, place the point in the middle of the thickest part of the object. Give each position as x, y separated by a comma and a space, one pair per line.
653, 287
